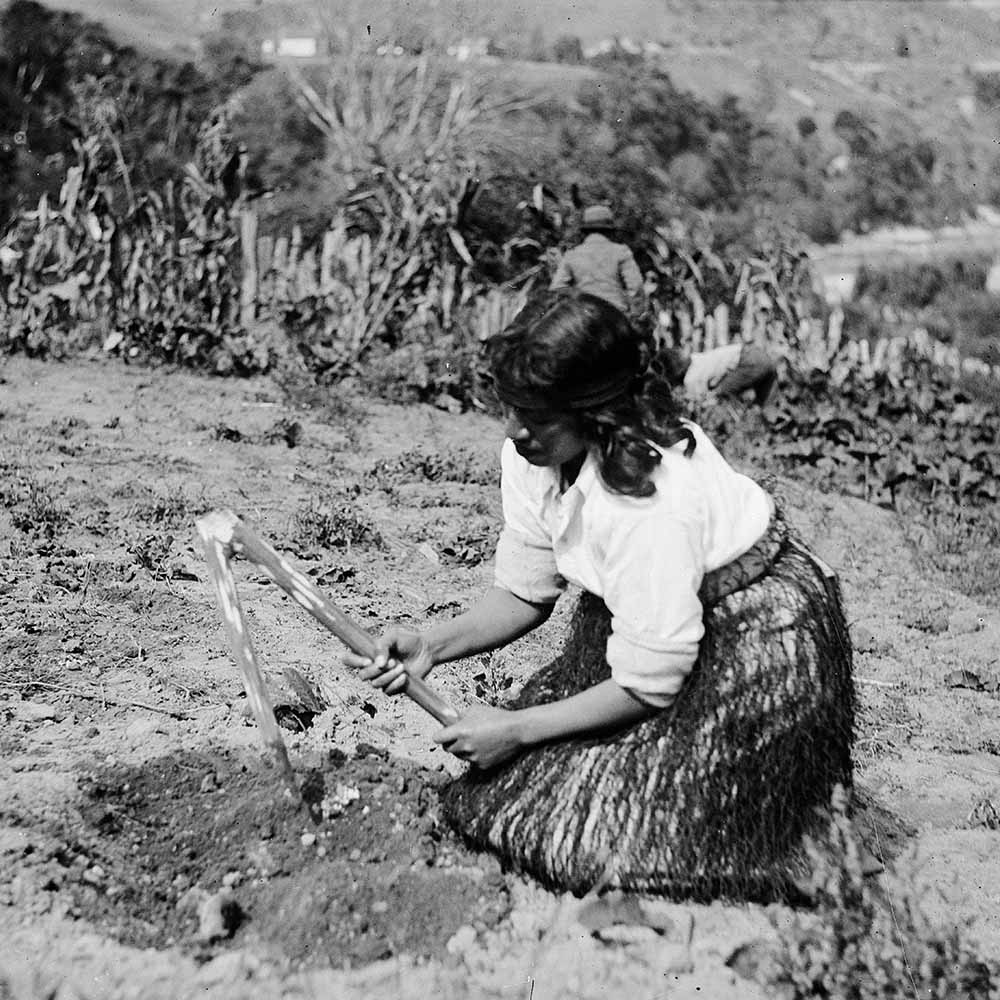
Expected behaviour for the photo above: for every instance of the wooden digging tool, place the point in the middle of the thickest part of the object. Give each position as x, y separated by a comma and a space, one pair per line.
216, 530
224, 528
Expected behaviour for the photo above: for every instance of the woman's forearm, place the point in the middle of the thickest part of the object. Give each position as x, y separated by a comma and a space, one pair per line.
500, 617
604, 707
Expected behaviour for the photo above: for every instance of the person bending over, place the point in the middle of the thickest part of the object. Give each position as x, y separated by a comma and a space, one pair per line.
701, 708
730, 370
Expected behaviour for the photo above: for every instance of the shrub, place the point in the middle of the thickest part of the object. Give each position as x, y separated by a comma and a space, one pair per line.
333, 523
892, 181
33, 509
568, 49
285, 155
816, 221
976, 321
870, 941
918, 285
151, 551
806, 126
421, 373
947, 298
855, 131
458, 465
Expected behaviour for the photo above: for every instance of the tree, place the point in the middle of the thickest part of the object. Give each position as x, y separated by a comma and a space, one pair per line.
34, 92
859, 136
231, 56
63, 78
568, 49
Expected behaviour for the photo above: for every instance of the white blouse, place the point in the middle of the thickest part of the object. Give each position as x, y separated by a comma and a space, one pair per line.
645, 557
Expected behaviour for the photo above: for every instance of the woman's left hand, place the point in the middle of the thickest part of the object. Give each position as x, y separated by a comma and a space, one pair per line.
484, 736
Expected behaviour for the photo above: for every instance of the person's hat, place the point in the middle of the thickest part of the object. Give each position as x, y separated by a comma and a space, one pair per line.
597, 217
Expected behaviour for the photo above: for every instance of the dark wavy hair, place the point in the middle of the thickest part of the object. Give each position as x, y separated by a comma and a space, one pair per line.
563, 346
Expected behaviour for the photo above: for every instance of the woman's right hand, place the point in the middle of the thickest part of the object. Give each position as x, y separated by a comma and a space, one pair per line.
397, 653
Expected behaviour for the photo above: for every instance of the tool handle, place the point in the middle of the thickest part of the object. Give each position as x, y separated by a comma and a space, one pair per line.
302, 590
430, 701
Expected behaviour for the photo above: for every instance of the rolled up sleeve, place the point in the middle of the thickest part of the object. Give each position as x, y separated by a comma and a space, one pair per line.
654, 569
527, 570
525, 564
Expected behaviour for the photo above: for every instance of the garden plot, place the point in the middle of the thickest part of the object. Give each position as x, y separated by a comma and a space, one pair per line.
146, 849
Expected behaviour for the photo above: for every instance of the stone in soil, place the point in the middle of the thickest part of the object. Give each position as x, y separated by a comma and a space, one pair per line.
364, 870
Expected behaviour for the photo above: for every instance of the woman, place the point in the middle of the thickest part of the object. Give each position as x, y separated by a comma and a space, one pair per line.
702, 707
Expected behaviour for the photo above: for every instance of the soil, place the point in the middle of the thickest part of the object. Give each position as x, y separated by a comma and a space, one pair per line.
138, 805
359, 871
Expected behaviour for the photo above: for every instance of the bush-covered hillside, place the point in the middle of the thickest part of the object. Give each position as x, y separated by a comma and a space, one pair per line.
64, 78
615, 121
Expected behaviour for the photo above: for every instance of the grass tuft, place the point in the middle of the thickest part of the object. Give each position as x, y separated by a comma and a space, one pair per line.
458, 465
333, 524
32, 507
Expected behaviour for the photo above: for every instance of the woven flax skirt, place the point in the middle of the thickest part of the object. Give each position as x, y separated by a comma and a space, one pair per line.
711, 796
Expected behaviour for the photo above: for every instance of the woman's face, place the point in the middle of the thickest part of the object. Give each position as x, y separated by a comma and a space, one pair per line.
544, 437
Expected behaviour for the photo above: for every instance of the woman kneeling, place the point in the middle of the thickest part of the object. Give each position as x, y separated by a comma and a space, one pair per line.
701, 710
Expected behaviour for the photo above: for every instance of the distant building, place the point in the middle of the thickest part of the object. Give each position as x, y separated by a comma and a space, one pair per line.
290, 47
601, 48
838, 166
470, 48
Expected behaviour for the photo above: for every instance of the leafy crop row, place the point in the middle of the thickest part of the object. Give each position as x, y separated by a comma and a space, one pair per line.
157, 272
892, 443
917, 444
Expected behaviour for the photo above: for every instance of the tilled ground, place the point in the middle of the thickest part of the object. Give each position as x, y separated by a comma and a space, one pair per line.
206, 851
146, 851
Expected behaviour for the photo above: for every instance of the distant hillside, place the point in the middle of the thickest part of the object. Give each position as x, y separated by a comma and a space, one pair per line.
154, 24
896, 63
908, 60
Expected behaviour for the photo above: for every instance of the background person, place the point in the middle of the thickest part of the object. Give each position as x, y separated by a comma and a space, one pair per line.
730, 370
602, 266
702, 705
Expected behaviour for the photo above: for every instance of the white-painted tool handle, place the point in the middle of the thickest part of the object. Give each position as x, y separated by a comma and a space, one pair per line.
302, 590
